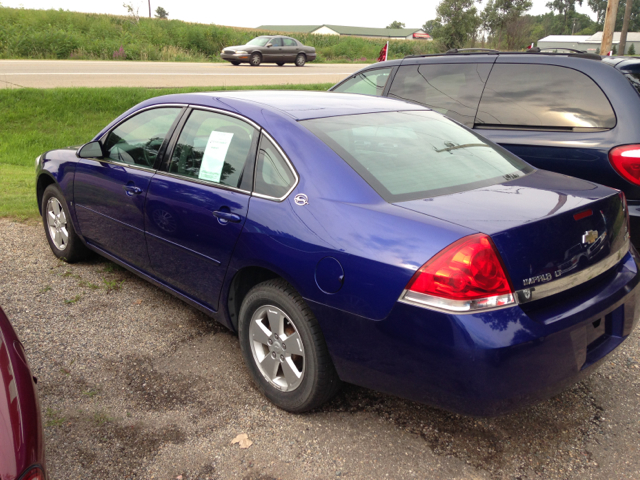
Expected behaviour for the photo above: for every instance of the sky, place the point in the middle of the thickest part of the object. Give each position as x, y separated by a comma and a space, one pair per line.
253, 13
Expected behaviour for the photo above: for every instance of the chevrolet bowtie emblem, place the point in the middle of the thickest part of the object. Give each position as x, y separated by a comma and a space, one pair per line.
589, 236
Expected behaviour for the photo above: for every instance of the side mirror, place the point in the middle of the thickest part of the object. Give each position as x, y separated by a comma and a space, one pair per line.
90, 150
268, 45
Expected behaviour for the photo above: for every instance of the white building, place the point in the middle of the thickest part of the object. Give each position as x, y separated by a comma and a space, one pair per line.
589, 44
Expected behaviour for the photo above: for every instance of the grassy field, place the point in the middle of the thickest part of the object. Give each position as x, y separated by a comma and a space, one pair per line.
34, 121
59, 34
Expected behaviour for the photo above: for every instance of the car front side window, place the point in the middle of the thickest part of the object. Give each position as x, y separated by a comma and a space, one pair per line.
215, 148
276, 42
371, 82
137, 140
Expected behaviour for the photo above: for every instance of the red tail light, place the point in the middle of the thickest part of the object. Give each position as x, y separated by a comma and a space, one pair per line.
626, 161
34, 473
467, 275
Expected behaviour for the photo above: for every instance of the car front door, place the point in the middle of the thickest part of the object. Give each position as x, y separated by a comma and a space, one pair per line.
196, 207
109, 192
275, 53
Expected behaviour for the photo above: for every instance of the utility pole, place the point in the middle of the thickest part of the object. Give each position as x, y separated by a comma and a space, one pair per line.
609, 27
150, 8
625, 28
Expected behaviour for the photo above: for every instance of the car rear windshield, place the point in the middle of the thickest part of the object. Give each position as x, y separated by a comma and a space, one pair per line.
634, 78
417, 154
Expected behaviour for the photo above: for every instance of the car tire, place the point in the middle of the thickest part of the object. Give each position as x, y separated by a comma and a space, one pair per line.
255, 59
301, 59
280, 64
235, 63
284, 349
62, 237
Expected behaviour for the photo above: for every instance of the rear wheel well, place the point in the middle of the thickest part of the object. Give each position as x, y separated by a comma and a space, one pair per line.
43, 182
245, 280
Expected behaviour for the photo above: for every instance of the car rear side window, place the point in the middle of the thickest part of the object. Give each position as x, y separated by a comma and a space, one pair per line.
453, 90
274, 177
543, 97
214, 147
371, 82
418, 154
289, 42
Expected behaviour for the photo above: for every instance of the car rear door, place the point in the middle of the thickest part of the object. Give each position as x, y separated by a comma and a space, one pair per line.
109, 192
197, 204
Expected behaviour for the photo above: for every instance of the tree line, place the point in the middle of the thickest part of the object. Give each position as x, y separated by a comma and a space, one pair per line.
505, 24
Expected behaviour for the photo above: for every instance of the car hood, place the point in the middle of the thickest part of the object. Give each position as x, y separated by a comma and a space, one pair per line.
544, 225
239, 47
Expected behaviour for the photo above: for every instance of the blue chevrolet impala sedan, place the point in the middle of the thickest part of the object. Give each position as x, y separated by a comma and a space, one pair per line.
355, 239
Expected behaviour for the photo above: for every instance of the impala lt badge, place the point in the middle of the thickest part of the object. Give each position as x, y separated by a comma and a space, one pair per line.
590, 236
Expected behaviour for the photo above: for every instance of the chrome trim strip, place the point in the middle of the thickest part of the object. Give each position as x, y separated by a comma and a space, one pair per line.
544, 290
120, 164
444, 305
162, 173
160, 105
289, 164
156, 237
226, 112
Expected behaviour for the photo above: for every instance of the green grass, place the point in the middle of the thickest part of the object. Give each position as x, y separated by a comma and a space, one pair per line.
34, 121
62, 34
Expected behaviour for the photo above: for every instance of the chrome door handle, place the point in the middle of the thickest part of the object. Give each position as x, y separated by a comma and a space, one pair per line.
224, 217
132, 190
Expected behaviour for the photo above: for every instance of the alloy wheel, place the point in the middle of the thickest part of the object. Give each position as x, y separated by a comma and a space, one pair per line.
277, 348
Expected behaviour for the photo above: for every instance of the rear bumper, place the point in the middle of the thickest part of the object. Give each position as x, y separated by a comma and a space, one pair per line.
489, 363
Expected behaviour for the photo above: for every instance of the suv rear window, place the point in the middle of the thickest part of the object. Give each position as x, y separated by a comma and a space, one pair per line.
418, 154
453, 90
543, 97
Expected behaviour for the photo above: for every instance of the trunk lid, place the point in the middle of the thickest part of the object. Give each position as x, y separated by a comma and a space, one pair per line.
545, 226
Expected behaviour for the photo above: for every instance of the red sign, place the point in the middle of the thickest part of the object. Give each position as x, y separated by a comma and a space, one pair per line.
421, 35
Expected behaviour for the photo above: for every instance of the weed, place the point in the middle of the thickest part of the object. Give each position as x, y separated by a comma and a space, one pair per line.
111, 268
53, 418
102, 417
92, 286
92, 392
46, 289
70, 301
112, 285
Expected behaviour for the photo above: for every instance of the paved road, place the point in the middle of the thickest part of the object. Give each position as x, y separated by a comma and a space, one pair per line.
76, 73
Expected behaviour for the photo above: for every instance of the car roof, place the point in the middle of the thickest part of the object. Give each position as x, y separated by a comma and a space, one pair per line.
299, 105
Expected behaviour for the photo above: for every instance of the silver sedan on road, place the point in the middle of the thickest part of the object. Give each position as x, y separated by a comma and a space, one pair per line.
276, 49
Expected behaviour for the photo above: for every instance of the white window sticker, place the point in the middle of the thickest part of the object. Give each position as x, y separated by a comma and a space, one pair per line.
214, 155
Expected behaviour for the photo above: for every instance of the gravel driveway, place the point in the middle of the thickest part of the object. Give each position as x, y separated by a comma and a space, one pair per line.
136, 384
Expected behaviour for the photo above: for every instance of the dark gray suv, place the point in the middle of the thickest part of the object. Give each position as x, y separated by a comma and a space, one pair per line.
572, 113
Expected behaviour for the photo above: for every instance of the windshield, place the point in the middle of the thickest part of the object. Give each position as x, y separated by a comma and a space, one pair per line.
417, 154
259, 41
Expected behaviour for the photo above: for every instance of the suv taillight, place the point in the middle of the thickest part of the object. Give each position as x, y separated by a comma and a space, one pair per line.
626, 161
466, 276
